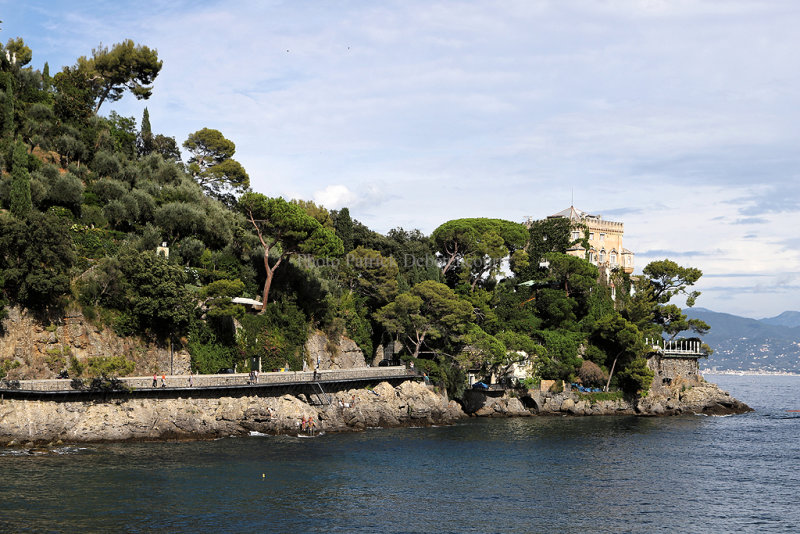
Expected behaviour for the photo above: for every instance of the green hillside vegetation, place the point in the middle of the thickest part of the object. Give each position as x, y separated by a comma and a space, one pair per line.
88, 198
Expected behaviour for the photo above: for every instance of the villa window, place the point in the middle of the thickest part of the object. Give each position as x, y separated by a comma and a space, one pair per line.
613, 259
591, 236
602, 256
576, 235
602, 237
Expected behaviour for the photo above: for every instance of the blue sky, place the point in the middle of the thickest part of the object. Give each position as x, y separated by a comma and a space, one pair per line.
679, 118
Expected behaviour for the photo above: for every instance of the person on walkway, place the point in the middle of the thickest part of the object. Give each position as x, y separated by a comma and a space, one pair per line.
191, 379
155, 381
255, 376
163, 381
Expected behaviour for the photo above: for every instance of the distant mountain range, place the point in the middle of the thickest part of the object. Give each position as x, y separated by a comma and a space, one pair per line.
743, 344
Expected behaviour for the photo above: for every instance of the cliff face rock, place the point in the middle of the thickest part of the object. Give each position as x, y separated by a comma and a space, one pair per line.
703, 398
411, 403
343, 354
43, 350
482, 405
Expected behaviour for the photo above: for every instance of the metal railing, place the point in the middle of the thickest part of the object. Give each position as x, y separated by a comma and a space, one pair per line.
223, 380
689, 348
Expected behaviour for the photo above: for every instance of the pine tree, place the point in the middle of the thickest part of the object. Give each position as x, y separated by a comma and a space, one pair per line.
20, 183
145, 141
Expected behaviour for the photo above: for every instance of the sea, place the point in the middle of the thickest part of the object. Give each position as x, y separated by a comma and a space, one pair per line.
538, 474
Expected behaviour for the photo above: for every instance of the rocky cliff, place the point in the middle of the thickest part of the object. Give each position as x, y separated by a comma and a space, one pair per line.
411, 403
32, 349
343, 353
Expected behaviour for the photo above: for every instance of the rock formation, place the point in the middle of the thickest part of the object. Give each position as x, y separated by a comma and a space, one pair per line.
343, 354
410, 403
702, 398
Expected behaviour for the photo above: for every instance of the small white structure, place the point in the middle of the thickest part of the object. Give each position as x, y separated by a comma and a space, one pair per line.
518, 370
163, 250
255, 304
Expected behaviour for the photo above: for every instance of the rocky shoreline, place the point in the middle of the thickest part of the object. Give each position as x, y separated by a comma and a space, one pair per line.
703, 398
30, 423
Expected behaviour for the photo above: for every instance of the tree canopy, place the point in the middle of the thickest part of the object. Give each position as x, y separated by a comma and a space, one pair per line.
212, 165
477, 245
286, 229
126, 66
429, 315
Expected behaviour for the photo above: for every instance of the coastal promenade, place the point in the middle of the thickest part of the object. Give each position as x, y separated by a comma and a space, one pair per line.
218, 384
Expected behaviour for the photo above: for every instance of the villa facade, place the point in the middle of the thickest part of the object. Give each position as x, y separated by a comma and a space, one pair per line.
605, 240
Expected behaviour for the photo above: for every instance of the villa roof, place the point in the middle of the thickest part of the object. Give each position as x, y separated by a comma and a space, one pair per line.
569, 213
573, 214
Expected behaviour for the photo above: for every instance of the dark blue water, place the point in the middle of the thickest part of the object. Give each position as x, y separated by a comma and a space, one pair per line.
592, 474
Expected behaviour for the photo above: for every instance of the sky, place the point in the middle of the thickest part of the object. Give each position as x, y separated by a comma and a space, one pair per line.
680, 118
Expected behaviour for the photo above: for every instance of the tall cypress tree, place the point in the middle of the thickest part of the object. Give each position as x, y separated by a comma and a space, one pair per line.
21, 204
344, 229
8, 109
47, 82
145, 141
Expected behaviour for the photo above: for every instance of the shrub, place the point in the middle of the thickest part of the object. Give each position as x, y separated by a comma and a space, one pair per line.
7, 365
208, 358
104, 383
591, 374
110, 365
56, 358
636, 377
75, 367
601, 396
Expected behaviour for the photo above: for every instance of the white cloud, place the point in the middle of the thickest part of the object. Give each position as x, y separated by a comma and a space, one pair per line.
335, 197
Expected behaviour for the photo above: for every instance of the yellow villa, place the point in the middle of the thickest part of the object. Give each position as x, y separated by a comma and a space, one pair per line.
605, 240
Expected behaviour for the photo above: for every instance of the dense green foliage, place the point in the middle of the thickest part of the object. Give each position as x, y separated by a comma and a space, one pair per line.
99, 212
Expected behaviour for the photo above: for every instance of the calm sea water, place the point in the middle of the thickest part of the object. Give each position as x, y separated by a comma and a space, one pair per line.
555, 474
